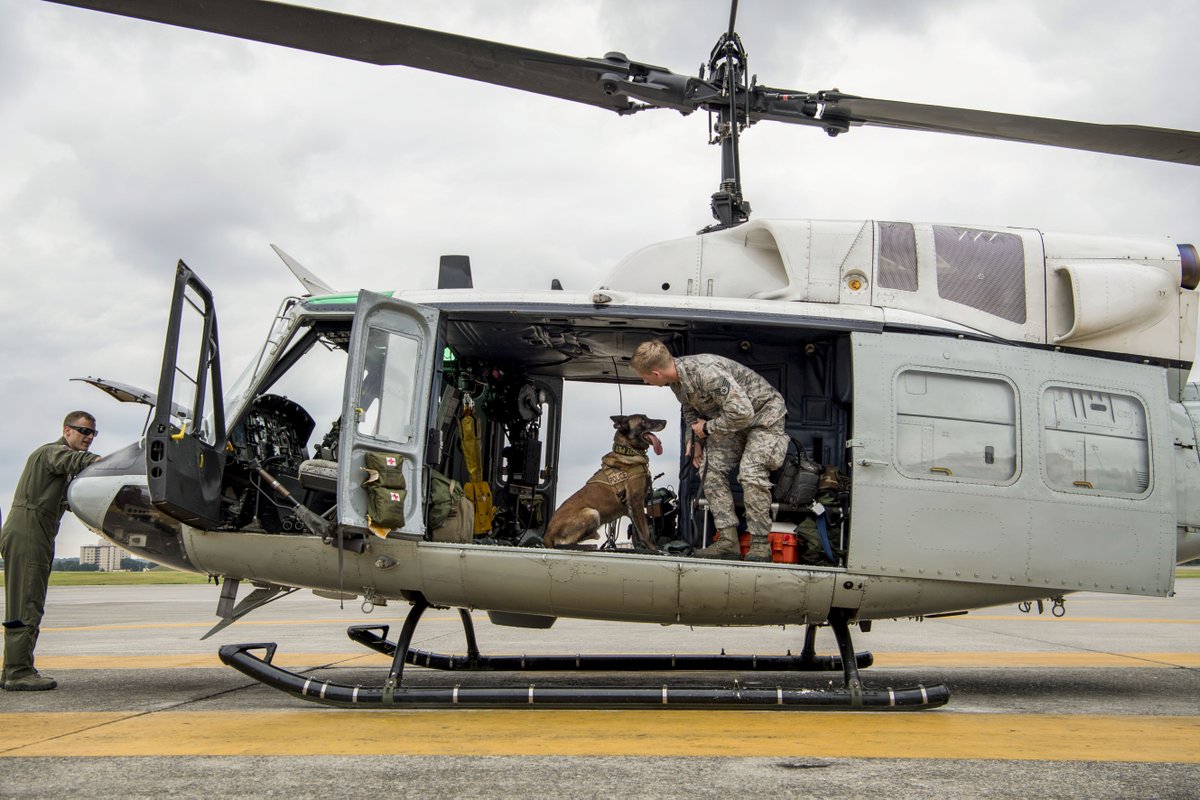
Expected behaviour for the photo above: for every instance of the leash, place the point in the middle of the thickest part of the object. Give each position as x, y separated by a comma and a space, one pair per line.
620, 395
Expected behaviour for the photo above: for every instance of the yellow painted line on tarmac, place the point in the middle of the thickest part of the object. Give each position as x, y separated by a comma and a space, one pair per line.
1081, 659
1068, 618
293, 660
185, 660
42, 727
1070, 737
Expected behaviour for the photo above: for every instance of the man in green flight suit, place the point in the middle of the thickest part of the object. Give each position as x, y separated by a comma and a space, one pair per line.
27, 545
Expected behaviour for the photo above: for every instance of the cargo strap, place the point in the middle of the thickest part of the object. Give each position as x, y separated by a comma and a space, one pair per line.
823, 532
477, 490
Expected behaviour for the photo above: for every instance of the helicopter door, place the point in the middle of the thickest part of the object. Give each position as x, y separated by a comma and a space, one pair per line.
185, 445
386, 406
983, 463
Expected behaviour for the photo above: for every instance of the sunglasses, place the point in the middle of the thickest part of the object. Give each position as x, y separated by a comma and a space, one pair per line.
85, 431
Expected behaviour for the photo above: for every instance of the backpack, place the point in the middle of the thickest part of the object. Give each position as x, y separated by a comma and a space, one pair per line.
796, 485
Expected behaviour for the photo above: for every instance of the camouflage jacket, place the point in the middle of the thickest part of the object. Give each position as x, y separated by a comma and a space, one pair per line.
732, 397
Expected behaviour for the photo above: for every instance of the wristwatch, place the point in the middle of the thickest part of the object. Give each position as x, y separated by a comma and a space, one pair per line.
706, 429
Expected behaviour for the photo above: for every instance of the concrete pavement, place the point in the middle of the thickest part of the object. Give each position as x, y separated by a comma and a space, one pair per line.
1103, 702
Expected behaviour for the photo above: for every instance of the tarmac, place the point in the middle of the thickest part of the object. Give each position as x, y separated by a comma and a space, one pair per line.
1102, 702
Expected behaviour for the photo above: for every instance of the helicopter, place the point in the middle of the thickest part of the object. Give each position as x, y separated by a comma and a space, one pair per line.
949, 373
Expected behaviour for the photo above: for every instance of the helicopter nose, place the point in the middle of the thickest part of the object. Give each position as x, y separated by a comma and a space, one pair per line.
92, 492
112, 498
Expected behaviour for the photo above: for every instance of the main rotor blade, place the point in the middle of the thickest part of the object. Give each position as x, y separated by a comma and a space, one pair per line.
614, 82
384, 43
843, 111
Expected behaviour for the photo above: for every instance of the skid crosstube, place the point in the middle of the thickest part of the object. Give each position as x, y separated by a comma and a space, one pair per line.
375, 638
853, 697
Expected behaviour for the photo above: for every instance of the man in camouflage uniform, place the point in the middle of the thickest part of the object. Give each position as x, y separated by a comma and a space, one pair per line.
27, 545
739, 416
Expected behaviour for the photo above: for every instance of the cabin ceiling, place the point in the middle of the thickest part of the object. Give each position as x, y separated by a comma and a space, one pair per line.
585, 348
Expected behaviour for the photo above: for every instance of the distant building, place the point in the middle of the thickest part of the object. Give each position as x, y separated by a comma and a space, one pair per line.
107, 557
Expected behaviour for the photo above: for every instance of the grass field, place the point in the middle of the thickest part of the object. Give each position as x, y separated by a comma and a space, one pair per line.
150, 577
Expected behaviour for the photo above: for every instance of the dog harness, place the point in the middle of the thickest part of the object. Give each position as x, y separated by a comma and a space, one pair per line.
617, 476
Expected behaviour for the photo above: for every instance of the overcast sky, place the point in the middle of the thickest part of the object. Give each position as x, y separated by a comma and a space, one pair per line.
125, 146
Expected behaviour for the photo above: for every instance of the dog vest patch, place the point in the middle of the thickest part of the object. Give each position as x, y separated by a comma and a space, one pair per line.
617, 476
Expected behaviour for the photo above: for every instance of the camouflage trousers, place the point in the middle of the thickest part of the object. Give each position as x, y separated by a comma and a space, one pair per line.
754, 453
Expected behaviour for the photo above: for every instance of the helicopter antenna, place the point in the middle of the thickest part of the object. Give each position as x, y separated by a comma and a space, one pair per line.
727, 69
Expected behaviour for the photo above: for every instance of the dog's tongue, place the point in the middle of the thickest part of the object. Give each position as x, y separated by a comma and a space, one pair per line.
654, 442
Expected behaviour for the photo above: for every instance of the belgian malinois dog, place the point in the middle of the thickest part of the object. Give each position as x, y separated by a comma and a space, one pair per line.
618, 489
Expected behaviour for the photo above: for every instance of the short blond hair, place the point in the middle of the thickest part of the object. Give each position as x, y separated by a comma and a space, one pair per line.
650, 356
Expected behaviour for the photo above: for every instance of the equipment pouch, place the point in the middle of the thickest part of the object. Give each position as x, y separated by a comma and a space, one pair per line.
384, 469
386, 488
385, 506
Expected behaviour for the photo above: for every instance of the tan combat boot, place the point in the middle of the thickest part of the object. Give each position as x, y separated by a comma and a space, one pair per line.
726, 546
760, 548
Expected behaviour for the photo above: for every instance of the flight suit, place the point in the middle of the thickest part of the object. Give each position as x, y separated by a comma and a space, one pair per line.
745, 432
27, 546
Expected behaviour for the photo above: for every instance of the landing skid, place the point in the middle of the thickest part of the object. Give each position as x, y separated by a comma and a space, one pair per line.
375, 637
853, 696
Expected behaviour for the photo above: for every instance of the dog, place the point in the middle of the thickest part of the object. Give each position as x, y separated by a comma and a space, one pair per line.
618, 489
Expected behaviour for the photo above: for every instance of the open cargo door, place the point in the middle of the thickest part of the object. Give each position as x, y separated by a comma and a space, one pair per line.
986, 463
386, 409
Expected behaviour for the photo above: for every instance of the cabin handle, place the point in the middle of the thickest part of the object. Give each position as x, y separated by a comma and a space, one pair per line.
942, 471
870, 462
1083, 484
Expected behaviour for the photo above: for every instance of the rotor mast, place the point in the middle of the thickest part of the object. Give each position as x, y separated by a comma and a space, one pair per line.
727, 69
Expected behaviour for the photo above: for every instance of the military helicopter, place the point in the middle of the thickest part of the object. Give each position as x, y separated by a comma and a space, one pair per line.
944, 375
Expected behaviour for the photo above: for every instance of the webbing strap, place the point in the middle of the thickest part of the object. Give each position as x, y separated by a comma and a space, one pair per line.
823, 532
470, 444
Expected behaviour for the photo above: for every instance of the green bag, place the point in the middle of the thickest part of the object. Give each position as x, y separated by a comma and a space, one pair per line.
386, 469
386, 488
385, 506
444, 494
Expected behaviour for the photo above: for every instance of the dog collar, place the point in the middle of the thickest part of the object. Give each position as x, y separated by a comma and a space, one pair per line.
623, 450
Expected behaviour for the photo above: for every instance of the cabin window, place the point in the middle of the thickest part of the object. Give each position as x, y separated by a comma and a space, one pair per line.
389, 377
954, 426
1095, 442
981, 269
897, 256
